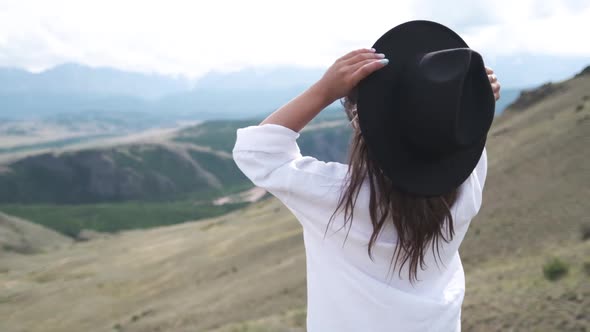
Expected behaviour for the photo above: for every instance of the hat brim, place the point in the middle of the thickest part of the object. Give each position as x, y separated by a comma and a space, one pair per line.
381, 93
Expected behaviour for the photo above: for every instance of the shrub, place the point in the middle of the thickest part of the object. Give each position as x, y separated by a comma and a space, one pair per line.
300, 318
555, 269
587, 268
585, 232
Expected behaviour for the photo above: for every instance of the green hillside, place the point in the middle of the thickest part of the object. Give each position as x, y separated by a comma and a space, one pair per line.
218, 135
326, 138
145, 185
113, 189
136, 172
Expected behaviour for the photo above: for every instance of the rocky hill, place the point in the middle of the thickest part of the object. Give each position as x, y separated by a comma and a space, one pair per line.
245, 271
528, 98
197, 160
136, 172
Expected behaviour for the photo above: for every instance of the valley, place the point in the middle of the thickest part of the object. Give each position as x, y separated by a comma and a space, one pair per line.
150, 178
244, 270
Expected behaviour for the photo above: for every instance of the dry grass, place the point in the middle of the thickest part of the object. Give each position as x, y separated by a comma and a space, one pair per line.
194, 276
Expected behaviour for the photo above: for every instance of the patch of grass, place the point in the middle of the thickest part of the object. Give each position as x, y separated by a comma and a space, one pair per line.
327, 144
555, 269
300, 318
249, 328
113, 217
586, 268
225, 170
585, 230
218, 135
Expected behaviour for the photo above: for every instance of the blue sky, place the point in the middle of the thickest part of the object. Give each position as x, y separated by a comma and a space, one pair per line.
193, 37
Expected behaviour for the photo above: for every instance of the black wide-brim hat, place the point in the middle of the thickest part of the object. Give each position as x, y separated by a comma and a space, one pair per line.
425, 116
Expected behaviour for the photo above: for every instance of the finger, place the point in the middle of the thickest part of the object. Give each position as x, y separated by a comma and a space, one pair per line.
363, 57
354, 67
368, 69
489, 70
497, 96
492, 78
356, 52
496, 87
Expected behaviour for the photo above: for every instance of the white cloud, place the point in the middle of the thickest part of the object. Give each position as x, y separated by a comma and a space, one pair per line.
192, 37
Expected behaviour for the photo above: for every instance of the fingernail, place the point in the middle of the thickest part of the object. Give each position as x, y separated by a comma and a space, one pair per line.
372, 49
384, 61
380, 55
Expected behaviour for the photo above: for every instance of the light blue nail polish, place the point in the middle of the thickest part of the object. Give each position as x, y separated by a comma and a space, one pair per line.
384, 61
381, 55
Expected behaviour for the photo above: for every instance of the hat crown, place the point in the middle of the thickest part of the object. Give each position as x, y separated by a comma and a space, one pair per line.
441, 102
425, 116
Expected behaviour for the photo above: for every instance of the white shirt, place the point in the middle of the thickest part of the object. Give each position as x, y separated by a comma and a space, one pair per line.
346, 290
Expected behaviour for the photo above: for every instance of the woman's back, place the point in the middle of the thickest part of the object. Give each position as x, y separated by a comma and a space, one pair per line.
347, 290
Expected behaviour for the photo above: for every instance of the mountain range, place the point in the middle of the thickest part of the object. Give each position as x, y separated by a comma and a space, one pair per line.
76, 88
239, 94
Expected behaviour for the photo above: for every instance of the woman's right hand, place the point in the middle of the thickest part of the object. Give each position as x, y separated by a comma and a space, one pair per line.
348, 71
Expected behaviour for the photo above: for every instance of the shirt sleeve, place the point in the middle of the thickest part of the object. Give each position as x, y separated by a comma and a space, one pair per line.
270, 157
472, 191
481, 169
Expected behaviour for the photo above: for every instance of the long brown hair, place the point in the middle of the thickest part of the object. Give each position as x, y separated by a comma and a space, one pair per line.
419, 221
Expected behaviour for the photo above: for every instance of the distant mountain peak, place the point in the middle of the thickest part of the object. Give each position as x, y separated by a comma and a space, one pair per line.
260, 77
82, 81
585, 71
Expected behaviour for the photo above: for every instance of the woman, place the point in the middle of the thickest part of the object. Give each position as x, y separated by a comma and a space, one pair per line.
382, 233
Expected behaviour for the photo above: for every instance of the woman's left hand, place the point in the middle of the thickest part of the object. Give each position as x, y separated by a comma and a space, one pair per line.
494, 82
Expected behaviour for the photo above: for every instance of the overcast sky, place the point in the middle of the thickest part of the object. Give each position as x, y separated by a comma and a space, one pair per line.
192, 37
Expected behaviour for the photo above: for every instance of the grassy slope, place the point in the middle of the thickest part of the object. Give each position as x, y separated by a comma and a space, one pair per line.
21, 236
245, 271
535, 205
537, 185
188, 277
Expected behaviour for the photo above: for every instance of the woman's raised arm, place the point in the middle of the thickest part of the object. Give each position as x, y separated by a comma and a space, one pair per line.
336, 83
